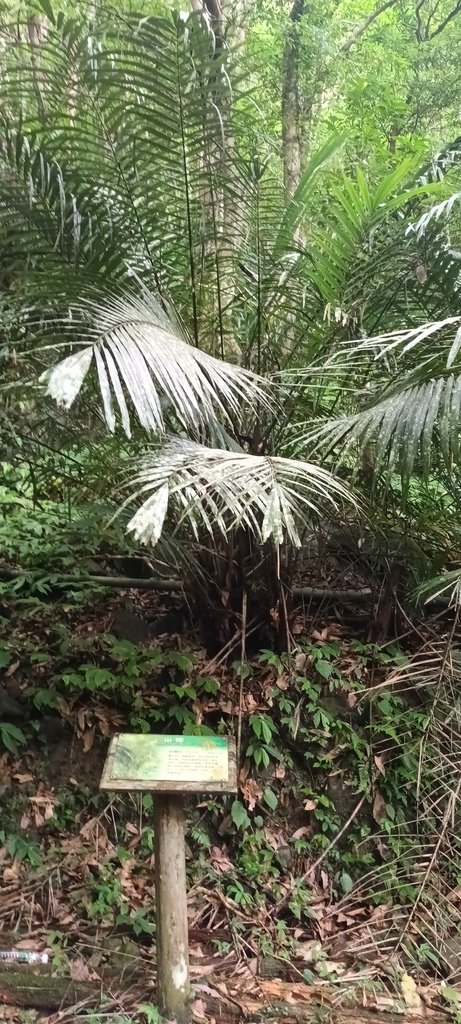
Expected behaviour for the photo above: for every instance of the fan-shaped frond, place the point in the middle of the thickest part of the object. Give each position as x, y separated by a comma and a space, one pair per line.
219, 490
137, 349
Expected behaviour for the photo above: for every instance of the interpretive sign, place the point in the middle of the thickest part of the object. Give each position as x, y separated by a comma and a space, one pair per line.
170, 763
171, 766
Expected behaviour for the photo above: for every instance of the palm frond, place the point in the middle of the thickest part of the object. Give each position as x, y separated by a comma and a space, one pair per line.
446, 585
296, 207
120, 167
219, 490
137, 349
442, 209
417, 409
401, 426
441, 163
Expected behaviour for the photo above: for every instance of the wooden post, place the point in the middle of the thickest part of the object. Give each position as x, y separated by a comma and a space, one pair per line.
171, 903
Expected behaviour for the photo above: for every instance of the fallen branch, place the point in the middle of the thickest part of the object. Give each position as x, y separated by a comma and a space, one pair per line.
175, 586
151, 583
28, 988
117, 582
330, 594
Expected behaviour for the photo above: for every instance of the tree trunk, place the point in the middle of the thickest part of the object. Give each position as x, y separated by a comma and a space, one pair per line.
291, 108
221, 207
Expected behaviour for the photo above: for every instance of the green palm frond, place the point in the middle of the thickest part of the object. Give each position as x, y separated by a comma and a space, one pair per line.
120, 166
219, 490
295, 209
138, 350
447, 585
351, 257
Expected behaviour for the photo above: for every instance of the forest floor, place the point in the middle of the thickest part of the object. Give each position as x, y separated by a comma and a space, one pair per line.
280, 926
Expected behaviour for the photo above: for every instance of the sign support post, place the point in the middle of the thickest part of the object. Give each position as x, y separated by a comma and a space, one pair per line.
173, 988
170, 766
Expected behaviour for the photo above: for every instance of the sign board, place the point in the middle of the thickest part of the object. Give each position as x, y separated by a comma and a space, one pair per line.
194, 764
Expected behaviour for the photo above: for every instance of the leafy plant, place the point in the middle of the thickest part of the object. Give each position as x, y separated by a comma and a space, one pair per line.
12, 737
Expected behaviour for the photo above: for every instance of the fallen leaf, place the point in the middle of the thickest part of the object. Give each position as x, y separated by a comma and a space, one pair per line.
379, 806
88, 738
81, 719
199, 1009
320, 634
220, 860
79, 970
379, 764
197, 952
310, 805
12, 668
251, 793
409, 991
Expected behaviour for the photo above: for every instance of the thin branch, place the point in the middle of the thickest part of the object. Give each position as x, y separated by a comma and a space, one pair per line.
431, 16
443, 24
419, 24
349, 43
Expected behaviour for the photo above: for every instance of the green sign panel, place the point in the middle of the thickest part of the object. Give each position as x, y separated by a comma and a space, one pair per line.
181, 763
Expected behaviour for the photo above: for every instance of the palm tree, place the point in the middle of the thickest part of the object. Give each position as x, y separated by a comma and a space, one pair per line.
137, 236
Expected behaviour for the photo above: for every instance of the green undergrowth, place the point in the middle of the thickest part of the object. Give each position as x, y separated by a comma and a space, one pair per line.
323, 743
